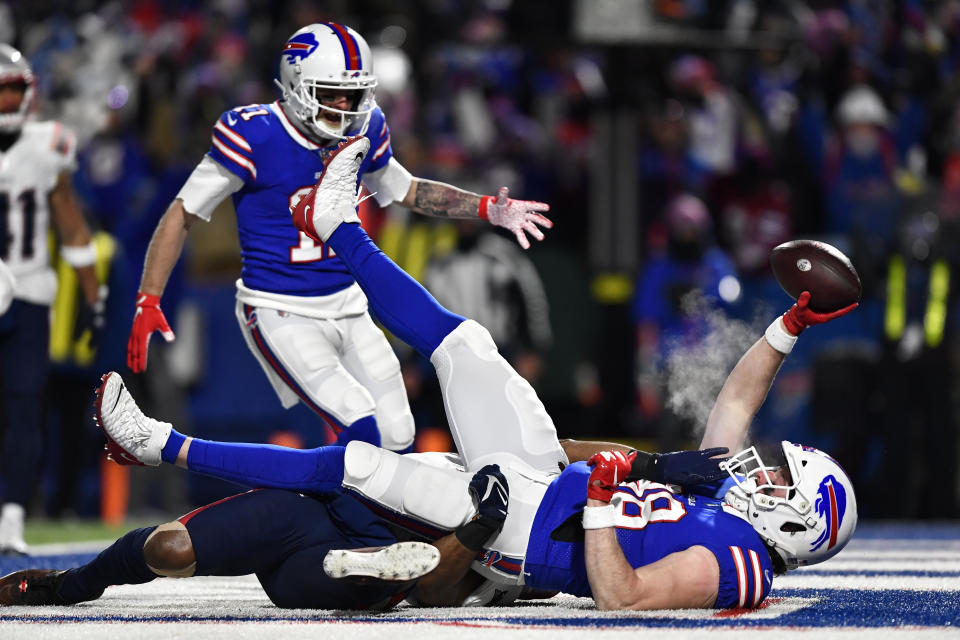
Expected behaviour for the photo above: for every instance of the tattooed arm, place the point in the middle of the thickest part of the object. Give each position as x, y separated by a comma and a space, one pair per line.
446, 201
441, 200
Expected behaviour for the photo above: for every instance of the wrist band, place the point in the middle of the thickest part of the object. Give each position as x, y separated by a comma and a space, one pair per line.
779, 338
599, 517
82, 256
482, 208
475, 533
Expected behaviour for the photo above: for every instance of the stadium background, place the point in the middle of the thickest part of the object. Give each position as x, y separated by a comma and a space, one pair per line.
597, 107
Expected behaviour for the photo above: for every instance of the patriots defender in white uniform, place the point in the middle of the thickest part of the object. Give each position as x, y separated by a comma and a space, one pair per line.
36, 163
300, 311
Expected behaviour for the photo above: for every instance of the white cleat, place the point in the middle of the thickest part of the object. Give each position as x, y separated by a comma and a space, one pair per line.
132, 437
334, 199
397, 562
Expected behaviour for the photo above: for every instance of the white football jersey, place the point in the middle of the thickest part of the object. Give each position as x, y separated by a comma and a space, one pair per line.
28, 173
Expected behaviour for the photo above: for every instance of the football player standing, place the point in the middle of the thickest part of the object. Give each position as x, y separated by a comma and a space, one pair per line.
36, 163
300, 310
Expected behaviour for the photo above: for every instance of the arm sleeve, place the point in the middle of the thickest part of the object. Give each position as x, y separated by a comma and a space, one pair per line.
390, 183
207, 186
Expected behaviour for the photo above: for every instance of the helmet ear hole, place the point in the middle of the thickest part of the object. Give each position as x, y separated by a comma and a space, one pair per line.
792, 527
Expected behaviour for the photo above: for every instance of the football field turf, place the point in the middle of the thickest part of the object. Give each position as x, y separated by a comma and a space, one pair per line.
892, 580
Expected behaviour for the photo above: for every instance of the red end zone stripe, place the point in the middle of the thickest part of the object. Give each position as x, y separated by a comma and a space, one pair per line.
351, 52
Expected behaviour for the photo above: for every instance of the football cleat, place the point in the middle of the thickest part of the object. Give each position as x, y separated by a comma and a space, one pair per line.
32, 587
334, 199
132, 437
397, 562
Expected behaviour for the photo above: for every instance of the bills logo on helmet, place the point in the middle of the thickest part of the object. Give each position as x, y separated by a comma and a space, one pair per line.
299, 47
831, 505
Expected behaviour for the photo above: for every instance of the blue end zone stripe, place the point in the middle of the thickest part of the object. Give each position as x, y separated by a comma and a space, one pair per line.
845, 608
287, 378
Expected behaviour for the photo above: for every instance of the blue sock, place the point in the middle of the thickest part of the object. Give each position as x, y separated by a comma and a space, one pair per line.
364, 429
120, 563
317, 470
398, 301
172, 448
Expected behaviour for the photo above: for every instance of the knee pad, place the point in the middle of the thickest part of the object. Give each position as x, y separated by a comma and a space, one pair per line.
470, 335
373, 349
434, 495
336, 391
394, 421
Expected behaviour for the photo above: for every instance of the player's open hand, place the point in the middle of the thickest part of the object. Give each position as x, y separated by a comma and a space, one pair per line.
684, 468
146, 319
519, 216
610, 468
800, 315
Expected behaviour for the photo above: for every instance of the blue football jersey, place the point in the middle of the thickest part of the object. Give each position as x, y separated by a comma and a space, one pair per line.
278, 165
652, 522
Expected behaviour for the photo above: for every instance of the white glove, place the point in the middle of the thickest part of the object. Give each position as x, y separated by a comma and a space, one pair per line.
516, 215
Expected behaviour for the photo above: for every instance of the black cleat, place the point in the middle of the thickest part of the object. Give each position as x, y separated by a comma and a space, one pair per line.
32, 587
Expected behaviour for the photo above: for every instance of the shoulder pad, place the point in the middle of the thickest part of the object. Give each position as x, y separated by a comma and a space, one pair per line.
251, 122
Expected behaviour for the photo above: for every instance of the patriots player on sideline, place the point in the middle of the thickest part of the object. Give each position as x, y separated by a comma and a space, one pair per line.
36, 163
299, 309
612, 527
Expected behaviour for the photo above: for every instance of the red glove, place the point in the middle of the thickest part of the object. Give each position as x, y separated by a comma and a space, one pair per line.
610, 468
516, 215
800, 315
147, 319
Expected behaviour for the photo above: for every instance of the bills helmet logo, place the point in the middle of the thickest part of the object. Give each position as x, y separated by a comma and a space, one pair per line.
831, 505
299, 47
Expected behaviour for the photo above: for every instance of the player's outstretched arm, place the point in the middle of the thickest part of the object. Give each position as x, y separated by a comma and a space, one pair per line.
748, 383
165, 248
675, 467
442, 200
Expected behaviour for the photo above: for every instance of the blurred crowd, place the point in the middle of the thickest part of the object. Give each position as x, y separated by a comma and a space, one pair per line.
835, 120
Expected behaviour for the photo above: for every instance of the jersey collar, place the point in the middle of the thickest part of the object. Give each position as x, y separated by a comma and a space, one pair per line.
291, 130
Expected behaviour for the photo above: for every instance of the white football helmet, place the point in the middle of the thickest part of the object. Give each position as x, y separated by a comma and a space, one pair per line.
14, 68
323, 57
816, 516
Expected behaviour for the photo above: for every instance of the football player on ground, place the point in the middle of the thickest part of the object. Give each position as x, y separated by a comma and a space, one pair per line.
37, 160
613, 527
299, 309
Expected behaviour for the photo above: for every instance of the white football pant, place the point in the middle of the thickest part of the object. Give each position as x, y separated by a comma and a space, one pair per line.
343, 369
495, 417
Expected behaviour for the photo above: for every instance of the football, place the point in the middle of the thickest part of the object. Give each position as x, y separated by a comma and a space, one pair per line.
817, 267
